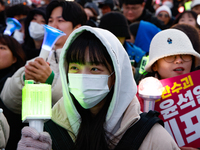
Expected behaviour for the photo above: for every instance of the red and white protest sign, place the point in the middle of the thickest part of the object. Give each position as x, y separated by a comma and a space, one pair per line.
179, 108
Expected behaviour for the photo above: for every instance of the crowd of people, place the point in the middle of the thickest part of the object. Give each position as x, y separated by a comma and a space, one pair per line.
94, 69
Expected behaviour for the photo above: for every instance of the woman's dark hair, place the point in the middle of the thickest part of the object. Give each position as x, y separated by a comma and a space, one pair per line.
189, 12
72, 11
92, 135
28, 40
16, 50
192, 34
97, 51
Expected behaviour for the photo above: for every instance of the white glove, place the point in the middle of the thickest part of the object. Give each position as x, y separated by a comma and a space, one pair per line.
33, 140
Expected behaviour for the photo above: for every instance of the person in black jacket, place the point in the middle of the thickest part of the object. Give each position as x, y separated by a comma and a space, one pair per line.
135, 11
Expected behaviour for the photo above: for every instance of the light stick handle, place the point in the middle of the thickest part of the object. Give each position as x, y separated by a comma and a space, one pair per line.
38, 124
149, 104
44, 53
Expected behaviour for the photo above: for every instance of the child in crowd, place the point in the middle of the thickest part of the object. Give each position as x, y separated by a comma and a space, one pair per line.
99, 103
171, 54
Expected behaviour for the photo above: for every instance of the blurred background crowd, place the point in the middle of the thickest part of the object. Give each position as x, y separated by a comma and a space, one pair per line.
133, 22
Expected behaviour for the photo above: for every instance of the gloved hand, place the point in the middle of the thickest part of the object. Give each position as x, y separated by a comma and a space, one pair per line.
32, 140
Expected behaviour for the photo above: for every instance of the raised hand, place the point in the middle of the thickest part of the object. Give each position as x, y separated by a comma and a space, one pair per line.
38, 70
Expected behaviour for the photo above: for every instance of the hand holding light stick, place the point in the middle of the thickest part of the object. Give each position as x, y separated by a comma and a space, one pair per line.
150, 89
51, 35
36, 104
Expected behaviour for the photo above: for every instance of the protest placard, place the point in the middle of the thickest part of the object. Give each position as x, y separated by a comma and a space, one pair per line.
179, 108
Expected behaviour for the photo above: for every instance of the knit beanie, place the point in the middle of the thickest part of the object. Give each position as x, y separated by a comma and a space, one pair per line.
116, 23
163, 8
170, 42
195, 3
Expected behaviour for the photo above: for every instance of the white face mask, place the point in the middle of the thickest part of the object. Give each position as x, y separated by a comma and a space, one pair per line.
19, 36
36, 31
88, 89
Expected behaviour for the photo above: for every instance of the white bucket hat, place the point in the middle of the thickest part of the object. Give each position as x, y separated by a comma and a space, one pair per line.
195, 3
170, 42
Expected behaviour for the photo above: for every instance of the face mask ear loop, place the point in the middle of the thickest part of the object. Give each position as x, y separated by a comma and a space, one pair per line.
111, 74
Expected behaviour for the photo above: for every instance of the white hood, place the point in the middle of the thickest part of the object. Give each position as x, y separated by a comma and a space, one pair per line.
125, 86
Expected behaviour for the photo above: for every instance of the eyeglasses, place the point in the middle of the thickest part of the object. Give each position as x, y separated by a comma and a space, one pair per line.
165, 15
184, 57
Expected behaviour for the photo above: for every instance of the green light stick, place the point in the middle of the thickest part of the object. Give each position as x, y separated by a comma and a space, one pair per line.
36, 104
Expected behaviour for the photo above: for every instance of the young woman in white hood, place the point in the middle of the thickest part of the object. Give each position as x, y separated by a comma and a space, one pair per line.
99, 103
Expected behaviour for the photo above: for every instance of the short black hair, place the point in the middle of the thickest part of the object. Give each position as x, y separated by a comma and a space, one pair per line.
72, 11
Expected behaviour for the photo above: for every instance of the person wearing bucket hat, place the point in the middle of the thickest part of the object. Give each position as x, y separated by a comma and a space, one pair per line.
116, 23
171, 54
195, 6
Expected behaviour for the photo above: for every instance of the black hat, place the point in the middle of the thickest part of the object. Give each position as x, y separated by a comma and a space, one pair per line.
116, 23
